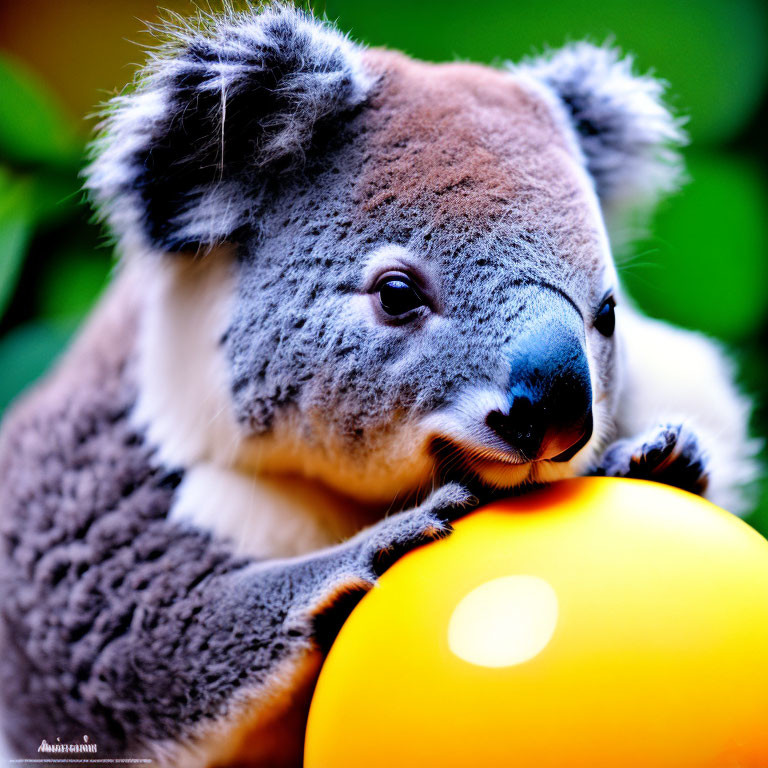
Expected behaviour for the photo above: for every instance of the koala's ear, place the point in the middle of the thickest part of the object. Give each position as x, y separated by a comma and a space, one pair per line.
627, 135
182, 158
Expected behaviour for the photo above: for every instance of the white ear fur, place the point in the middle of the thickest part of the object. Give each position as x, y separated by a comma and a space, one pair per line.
627, 135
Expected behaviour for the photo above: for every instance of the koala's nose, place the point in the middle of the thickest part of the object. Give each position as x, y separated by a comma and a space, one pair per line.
550, 394
537, 430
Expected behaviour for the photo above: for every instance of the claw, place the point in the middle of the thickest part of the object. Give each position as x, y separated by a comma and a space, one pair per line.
671, 455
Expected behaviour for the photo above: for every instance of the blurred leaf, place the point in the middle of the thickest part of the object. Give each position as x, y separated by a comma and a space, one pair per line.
72, 281
26, 353
33, 128
57, 196
758, 518
713, 53
706, 265
16, 223
753, 367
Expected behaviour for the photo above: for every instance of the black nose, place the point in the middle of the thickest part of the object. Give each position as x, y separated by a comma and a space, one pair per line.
550, 395
532, 432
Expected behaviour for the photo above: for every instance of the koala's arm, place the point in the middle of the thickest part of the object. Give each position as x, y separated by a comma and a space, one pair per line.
680, 417
146, 635
152, 638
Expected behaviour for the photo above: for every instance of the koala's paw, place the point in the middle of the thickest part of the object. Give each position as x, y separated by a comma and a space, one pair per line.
371, 552
390, 539
669, 454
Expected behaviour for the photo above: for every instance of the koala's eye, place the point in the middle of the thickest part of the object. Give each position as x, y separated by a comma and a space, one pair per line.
605, 320
398, 295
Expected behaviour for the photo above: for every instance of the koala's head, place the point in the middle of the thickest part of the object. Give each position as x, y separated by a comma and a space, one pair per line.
408, 262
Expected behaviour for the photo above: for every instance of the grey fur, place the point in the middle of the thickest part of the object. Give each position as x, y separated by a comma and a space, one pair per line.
120, 624
288, 350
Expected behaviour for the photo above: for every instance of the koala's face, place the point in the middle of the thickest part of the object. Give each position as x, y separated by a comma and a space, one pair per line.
428, 289
423, 281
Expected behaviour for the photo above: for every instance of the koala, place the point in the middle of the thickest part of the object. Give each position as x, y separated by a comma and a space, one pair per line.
357, 295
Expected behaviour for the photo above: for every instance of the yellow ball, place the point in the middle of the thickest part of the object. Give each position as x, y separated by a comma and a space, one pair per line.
597, 623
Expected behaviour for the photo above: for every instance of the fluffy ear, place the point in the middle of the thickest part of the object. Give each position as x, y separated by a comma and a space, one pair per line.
182, 158
627, 135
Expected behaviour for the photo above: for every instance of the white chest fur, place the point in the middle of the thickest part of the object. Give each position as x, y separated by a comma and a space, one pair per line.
266, 517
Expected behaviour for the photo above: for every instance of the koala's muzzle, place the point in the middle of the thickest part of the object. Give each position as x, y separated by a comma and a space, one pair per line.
550, 394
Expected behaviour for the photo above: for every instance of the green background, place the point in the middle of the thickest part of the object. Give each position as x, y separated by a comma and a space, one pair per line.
704, 264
